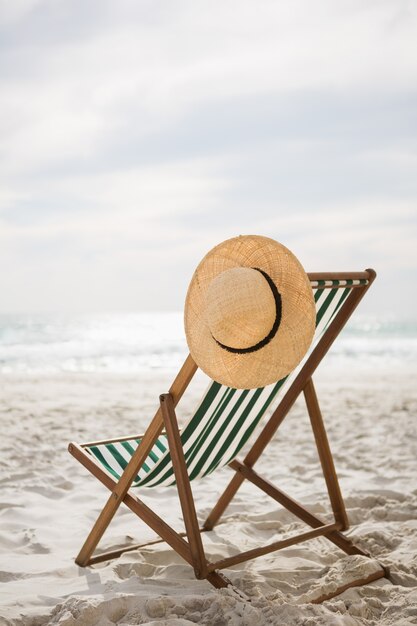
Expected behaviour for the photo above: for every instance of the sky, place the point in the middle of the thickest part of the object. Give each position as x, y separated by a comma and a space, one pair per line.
136, 135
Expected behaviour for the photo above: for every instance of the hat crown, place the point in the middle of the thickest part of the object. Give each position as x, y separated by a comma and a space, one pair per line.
241, 308
250, 314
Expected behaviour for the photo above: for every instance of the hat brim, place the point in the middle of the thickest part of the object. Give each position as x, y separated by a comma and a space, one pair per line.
286, 349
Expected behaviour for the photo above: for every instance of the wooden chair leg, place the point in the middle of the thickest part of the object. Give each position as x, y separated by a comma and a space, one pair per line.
217, 579
325, 455
120, 491
183, 486
177, 389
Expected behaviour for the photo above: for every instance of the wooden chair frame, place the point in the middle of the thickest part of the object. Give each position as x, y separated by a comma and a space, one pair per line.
189, 544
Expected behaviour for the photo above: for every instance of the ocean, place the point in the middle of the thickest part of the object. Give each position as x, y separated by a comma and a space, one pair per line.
128, 343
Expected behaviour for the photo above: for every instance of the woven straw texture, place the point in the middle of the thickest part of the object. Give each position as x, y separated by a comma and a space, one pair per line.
237, 308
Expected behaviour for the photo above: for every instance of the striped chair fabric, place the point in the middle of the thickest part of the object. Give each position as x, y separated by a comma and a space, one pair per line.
225, 417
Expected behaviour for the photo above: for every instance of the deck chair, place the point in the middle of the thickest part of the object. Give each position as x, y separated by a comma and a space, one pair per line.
221, 425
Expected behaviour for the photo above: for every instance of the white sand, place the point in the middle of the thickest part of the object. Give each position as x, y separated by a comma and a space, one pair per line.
48, 503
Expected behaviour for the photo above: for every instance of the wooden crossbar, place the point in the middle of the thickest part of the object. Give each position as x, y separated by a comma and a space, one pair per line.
114, 554
359, 582
294, 507
366, 275
101, 442
273, 547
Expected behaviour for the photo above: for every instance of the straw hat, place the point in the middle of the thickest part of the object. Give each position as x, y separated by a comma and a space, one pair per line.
249, 312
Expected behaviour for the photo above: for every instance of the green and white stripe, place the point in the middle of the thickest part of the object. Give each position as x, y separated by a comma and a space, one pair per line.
225, 417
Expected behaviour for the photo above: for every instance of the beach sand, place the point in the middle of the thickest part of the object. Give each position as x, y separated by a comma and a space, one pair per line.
48, 503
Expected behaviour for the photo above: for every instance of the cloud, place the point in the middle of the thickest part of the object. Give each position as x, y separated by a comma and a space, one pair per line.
69, 89
136, 135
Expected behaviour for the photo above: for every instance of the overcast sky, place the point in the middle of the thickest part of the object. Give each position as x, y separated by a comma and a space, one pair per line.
135, 135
